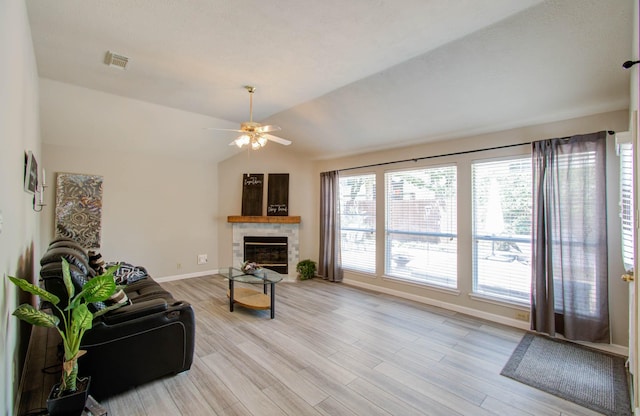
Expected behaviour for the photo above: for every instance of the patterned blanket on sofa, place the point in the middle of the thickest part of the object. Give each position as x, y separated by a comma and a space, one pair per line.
128, 273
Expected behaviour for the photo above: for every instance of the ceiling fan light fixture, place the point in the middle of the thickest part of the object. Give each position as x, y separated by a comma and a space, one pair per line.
252, 133
242, 140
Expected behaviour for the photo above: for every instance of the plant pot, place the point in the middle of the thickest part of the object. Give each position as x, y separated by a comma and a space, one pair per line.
69, 404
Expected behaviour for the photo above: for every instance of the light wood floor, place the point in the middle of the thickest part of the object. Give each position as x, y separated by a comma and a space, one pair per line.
338, 350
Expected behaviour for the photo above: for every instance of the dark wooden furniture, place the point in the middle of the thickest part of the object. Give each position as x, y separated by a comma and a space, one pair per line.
42, 369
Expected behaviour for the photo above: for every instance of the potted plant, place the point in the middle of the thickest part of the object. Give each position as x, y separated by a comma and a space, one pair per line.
76, 319
306, 269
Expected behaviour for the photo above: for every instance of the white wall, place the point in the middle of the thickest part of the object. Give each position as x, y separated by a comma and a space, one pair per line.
19, 224
462, 302
157, 212
159, 203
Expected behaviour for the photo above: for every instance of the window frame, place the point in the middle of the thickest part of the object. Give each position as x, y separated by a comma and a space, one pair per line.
387, 260
373, 230
626, 152
484, 295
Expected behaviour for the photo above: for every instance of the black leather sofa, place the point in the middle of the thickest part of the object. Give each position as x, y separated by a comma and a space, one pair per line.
150, 337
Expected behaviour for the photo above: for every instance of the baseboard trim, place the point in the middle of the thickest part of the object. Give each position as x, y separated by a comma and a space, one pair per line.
286, 278
185, 276
515, 323
444, 305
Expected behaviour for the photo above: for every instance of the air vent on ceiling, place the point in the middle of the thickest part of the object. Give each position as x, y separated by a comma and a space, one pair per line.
115, 60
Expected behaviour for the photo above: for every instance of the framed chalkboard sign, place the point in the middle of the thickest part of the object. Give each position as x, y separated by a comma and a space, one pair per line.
252, 190
278, 195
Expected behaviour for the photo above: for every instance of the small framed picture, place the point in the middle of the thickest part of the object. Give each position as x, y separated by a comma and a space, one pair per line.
30, 173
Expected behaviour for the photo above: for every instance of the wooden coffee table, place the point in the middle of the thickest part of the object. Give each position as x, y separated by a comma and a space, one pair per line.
251, 298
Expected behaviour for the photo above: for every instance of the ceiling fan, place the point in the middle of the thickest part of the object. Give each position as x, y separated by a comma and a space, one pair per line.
254, 134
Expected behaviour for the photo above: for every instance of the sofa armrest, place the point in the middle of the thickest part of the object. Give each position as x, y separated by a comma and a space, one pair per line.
134, 311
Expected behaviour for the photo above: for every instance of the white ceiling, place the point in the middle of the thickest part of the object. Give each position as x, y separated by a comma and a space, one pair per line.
343, 77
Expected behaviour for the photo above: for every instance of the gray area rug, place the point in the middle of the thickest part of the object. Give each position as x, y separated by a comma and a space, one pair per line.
584, 376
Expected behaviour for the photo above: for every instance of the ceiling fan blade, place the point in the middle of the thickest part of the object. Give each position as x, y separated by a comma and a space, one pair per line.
267, 129
277, 139
215, 128
253, 134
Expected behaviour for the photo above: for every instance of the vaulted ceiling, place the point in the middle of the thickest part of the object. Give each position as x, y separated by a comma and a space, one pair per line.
343, 77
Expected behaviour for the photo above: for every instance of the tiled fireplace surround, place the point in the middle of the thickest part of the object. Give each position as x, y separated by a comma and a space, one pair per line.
291, 231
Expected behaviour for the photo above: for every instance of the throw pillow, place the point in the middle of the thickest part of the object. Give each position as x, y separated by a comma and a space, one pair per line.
120, 297
128, 273
96, 262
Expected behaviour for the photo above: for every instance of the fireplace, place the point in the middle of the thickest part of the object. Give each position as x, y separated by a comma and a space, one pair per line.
275, 227
269, 252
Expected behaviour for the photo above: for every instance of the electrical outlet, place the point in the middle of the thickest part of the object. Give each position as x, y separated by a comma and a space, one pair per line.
522, 316
202, 258
179, 266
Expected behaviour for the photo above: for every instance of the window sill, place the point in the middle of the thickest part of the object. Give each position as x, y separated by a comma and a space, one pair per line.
500, 301
442, 289
359, 273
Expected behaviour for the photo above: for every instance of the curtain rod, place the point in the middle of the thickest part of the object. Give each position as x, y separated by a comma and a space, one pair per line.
415, 159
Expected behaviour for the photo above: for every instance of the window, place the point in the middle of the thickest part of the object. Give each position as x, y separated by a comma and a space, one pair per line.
358, 223
421, 220
626, 203
502, 215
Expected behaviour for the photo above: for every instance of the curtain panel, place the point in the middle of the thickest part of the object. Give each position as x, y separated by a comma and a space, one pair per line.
569, 250
330, 263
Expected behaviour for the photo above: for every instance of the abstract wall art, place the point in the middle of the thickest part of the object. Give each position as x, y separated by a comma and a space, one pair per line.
79, 208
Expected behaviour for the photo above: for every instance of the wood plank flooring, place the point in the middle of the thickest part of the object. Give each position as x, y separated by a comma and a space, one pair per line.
338, 350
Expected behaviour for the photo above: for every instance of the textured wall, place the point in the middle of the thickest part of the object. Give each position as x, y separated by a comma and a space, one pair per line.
19, 224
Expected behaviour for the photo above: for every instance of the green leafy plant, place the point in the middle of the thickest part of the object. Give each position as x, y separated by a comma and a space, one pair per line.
76, 317
306, 269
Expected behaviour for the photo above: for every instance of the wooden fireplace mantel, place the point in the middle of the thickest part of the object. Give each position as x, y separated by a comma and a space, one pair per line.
291, 219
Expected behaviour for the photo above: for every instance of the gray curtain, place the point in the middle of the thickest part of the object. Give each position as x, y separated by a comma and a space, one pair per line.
569, 281
330, 263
